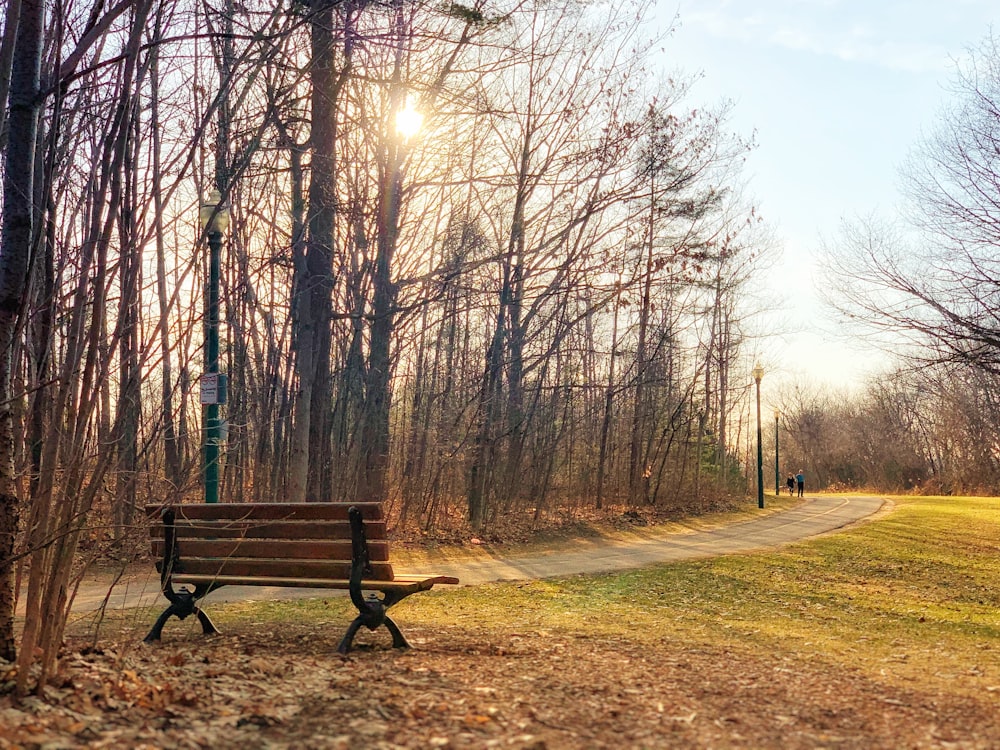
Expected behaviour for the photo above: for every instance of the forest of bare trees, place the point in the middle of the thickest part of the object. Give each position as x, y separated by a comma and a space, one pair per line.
534, 301
915, 430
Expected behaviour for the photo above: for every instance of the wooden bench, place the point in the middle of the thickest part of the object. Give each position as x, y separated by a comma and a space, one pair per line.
312, 545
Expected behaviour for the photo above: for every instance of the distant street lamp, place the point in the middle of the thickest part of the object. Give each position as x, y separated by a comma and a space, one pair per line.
777, 485
214, 217
758, 373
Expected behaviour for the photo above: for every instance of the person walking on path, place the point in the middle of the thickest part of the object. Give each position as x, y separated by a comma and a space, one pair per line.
791, 485
800, 480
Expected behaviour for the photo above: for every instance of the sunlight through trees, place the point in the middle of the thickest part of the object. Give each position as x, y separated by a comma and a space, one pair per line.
483, 259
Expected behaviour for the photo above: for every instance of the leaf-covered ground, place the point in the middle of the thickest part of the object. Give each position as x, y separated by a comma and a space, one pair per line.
475, 687
883, 636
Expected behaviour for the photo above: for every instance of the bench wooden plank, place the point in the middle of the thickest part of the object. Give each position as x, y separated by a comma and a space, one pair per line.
265, 568
284, 549
271, 511
405, 584
374, 530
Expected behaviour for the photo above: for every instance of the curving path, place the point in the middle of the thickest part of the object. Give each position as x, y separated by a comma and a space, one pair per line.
816, 516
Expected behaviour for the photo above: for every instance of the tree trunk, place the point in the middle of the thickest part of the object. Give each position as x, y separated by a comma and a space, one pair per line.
638, 469
129, 395
171, 447
314, 272
375, 432
15, 249
609, 396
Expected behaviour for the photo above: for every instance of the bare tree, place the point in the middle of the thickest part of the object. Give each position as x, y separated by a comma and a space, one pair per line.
932, 282
16, 236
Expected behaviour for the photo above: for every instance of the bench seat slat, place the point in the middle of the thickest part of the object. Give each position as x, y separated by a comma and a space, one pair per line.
272, 548
272, 511
401, 584
250, 568
374, 530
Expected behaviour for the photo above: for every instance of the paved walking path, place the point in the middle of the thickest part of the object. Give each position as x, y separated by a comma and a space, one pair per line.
816, 516
819, 515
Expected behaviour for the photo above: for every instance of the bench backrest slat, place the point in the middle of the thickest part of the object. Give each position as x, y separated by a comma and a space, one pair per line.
284, 549
272, 511
248, 568
374, 530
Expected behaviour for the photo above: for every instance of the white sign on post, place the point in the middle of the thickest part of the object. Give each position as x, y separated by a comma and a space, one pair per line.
210, 388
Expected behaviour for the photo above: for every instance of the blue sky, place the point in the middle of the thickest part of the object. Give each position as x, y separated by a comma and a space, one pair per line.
838, 93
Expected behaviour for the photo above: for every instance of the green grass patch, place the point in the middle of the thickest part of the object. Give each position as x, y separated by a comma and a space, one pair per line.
913, 594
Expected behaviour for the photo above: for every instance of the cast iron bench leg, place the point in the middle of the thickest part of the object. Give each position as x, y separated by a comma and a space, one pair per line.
207, 626
181, 607
398, 639
157, 630
371, 614
352, 630
371, 620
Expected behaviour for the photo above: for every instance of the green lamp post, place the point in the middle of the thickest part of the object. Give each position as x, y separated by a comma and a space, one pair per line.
777, 480
214, 216
758, 373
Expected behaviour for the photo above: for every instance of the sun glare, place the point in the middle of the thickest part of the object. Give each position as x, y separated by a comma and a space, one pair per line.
408, 121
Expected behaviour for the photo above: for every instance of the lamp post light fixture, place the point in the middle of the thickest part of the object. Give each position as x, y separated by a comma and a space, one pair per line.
214, 217
758, 373
777, 485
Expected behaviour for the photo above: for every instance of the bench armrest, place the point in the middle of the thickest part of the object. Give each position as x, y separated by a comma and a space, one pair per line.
360, 559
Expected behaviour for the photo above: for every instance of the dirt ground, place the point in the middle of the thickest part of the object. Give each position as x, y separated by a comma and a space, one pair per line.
469, 687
